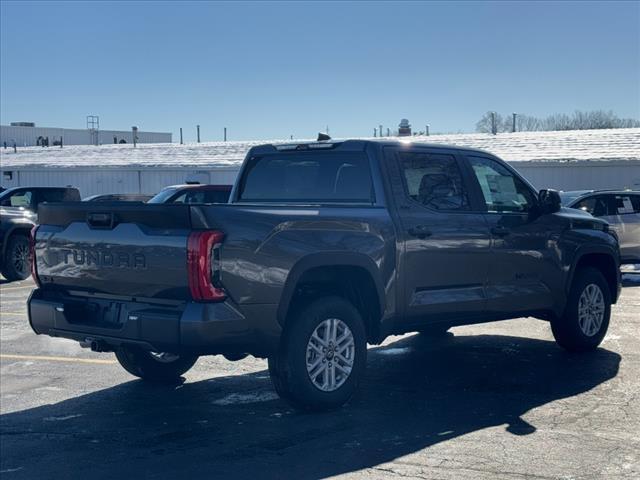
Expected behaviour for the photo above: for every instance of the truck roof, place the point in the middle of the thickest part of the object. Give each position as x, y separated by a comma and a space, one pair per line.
357, 144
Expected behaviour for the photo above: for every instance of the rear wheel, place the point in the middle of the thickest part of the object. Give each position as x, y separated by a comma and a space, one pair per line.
154, 366
586, 317
322, 355
17, 260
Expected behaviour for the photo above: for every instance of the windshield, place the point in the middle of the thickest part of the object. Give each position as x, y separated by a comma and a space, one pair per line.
567, 198
163, 195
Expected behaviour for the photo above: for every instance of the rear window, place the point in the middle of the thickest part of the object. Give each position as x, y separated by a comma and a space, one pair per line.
308, 177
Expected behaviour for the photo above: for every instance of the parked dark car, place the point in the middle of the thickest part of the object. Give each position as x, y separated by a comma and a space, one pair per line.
620, 208
193, 193
118, 197
17, 216
323, 247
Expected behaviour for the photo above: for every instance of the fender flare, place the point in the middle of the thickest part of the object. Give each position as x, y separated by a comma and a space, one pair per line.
584, 250
328, 259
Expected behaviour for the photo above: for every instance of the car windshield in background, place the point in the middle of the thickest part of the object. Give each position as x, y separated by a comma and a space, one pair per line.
308, 177
163, 196
567, 198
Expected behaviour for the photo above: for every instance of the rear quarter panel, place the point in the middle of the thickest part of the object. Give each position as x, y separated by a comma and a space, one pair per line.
264, 243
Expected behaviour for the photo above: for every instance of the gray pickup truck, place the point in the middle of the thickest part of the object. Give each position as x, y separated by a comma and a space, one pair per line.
323, 248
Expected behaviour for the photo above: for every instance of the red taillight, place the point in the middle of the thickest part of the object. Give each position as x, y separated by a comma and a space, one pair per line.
32, 255
203, 262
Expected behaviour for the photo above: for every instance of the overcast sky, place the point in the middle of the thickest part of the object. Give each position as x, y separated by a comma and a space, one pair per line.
270, 70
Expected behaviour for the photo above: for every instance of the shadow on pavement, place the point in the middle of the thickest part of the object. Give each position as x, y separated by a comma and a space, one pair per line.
417, 393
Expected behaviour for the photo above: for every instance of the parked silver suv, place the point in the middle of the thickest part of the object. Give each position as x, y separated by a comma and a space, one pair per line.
620, 208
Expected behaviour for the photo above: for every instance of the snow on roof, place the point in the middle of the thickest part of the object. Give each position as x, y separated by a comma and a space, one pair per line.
597, 145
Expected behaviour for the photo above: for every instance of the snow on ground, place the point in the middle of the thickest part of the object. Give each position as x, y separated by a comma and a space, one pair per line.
615, 144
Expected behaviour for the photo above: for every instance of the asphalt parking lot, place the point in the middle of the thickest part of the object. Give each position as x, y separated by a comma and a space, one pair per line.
491, 401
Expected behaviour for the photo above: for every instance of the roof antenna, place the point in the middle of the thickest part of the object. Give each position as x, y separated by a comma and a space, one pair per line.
323, 137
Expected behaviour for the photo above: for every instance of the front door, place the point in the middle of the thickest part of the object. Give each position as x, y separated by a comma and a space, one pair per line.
445, 244
524, 265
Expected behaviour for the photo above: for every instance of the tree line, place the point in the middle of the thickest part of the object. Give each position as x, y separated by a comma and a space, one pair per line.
492, 122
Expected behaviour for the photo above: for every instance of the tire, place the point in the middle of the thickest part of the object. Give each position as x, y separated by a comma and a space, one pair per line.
317, 389
154, 367
578, 332
17, 259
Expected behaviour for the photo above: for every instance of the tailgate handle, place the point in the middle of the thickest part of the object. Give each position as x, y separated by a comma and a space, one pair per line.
100, 220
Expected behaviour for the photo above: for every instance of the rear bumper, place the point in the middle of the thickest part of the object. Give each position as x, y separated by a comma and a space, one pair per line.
178, 327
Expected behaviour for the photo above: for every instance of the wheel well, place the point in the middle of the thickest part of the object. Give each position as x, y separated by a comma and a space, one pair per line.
605, 264
353, 283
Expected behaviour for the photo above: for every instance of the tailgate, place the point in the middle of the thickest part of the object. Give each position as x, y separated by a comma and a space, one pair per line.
125, 249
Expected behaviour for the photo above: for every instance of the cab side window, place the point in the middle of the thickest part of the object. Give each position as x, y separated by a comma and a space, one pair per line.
22, 198
501, 189
434, 180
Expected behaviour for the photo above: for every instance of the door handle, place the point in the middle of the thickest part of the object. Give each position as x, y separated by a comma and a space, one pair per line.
500, 231
420, 231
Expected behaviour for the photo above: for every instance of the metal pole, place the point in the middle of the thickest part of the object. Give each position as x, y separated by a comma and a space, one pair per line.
225, 134
198, 128
513, 129
427, 130
375, 131
493, 123
134, 131
380, 130
181, 136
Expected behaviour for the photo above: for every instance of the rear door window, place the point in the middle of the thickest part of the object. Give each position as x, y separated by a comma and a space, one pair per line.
434, 180
624, 205
308, 177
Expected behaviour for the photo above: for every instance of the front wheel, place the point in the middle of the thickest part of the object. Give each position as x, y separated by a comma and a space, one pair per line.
586, 317
322, 355
156, 367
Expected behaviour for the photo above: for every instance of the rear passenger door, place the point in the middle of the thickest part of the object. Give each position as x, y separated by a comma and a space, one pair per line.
445, 244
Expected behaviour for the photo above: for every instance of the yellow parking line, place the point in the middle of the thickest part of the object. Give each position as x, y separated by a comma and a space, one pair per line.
57, 359
2, 312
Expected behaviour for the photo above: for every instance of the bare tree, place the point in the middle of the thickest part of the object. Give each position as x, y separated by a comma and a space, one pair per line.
579, 120
486, 125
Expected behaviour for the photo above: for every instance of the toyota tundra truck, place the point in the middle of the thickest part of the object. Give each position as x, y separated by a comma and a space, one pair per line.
323, 248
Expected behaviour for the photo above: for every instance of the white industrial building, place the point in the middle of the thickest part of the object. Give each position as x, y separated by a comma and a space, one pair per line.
25, 135
567, 160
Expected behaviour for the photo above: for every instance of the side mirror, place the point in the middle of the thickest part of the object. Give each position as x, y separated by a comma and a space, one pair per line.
549, 201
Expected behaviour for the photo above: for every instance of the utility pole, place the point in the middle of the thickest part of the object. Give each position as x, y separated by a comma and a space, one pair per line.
198, 129
225, 134
181, 136
513, 128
